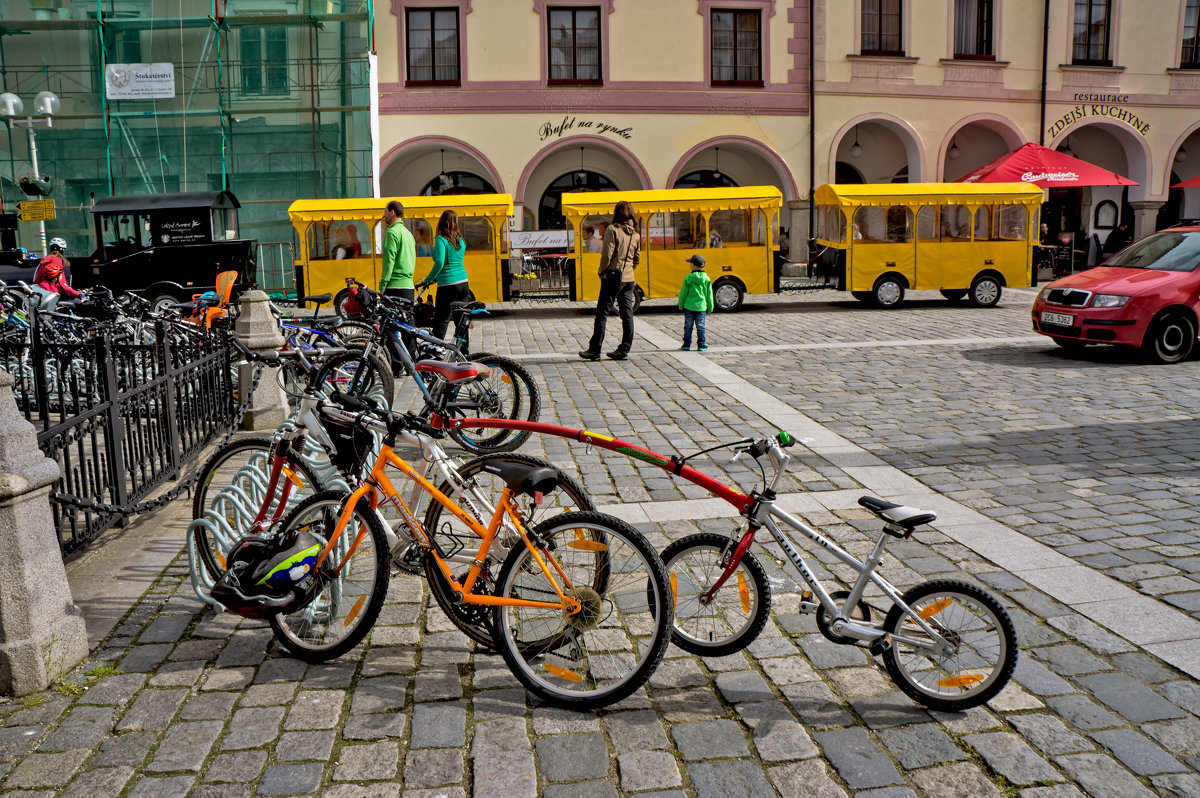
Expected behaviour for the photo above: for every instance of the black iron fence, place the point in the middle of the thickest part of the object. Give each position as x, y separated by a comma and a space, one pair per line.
120, 411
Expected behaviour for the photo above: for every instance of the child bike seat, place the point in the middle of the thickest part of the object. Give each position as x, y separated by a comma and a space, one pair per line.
898, 514
522, 478
454, 373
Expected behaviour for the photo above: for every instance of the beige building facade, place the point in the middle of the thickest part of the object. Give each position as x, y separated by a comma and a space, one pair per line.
533, 97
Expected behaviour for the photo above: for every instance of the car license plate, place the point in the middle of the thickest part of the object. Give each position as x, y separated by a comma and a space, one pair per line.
1061, 319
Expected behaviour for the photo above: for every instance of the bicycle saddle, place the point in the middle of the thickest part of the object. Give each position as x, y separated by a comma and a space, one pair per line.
328, 323
465, 306
320, 299
898, 514
522, 478
454, 373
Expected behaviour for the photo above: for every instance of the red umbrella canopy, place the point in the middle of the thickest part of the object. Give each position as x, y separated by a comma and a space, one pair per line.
1042, 166
1189, 183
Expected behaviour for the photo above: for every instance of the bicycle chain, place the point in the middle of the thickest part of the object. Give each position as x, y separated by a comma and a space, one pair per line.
175, 492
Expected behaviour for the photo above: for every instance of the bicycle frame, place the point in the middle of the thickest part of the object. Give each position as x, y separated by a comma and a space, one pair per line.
379, 483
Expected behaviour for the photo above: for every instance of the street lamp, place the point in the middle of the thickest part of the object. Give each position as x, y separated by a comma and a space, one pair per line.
45, 104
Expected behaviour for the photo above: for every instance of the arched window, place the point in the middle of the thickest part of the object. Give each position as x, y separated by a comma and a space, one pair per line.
550, 215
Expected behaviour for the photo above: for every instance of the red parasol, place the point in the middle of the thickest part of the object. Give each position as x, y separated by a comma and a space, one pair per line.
1189, 183
1042, 166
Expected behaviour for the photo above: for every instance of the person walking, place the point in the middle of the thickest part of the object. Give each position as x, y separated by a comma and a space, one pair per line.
695, 299
619, 254
448, 271
399, 254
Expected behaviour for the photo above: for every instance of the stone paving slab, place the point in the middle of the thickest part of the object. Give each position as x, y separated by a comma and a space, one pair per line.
177, 701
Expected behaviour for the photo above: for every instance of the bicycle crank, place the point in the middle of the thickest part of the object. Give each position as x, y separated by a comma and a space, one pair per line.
861, 612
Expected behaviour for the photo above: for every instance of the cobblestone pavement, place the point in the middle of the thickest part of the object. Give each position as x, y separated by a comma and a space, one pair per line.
1062, 483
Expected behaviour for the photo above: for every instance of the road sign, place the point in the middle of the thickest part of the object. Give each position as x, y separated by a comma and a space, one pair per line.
37, 216
36, 205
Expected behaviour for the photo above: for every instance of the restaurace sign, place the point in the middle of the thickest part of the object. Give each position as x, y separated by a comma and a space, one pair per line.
551, 129
1110, 111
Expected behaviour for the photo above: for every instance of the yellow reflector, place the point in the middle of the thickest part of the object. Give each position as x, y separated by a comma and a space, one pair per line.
563, 673
934, 608
744, 591
221, 559
506, 378
674, 588
295, 480
960, 681
588, 545
355, 610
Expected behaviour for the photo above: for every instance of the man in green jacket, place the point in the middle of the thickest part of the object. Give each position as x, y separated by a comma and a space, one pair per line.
399, 254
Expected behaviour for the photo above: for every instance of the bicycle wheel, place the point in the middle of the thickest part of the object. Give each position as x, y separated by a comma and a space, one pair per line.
230, 491
510, 392
478, 491
981, 646
609, 648
737, 612
368, 376
355, 581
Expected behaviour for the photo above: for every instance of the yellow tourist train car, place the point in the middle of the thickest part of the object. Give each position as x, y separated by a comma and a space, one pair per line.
735, 230
963, 239
339, 238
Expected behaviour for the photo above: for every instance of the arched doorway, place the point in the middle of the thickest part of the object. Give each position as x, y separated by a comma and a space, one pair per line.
457, 182
549, 214
1183, 204
732, 161
705, 178
435, 165
974, 142
879, 150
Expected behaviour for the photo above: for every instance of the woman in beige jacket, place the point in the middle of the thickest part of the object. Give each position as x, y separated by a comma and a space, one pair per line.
619, 254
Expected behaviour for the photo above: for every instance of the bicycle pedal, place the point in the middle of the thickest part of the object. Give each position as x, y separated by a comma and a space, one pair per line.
807, 604
879, 645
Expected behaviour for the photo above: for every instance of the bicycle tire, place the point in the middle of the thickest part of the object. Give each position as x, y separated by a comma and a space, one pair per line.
222, 470
738, 611
964, 687
475, 621
606, 651
524, 401
347, 604
339, 372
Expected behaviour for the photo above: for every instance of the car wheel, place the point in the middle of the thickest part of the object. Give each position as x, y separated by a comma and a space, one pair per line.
638, 296
954, 295
1171, 339
888, 292
1069, 343
727, 295
339, 303
161, 302
985, 291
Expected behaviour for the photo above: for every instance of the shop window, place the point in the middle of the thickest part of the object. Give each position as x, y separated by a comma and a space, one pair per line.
477, 233
575, 46
1189, 57
973, 30
423, 235
956, 223
736, 48
881, 27
431, 46
264, 64
1011, 222
674, 230
927, 224
728, 228
983, 215
1091, 47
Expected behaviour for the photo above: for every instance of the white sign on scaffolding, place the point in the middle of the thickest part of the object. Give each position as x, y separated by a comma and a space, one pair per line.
139, 81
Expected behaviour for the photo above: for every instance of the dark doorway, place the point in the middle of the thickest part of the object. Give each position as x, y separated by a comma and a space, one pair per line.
550, 215
457, 183
705, 178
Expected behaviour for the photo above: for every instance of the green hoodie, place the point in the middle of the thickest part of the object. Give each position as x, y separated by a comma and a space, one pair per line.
399, 257
696, 292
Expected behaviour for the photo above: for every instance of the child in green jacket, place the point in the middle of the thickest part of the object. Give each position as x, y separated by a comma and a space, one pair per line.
696, 299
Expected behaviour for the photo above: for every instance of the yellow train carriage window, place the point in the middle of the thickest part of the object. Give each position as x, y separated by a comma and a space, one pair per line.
477, 233
983, 216
1011, 222
927, 224
832, 223
758, 236
728, 228
875, 223
322, 241
594, 228
671, 230
956, 223
422, 234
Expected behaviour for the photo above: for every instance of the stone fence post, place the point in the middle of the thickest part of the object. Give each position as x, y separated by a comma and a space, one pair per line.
257, 329
42, 634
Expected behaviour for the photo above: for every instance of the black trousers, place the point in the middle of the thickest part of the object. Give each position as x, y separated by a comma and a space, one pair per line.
459, 292
623, 293
404, 293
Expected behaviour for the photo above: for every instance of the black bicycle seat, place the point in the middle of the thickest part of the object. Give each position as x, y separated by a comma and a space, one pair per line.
454, 373
329, 323
899, 514
522, 478
320, 299
465, 306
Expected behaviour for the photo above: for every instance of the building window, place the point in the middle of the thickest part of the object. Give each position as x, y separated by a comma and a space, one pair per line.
264, 61
973, 30
1091, 33
881, 33
575, 46
123, 46
431, 46
1190, 56
736, 48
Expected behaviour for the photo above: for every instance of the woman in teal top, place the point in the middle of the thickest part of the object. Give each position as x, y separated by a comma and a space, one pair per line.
448, 271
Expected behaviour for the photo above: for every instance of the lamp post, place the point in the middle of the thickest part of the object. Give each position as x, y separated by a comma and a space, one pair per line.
45, 104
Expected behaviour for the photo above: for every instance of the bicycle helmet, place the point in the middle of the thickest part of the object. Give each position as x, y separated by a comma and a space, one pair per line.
269, 576
59, 244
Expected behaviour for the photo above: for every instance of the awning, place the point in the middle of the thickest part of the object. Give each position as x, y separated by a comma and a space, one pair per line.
1042, 166
148, 203
306, 211
674, 200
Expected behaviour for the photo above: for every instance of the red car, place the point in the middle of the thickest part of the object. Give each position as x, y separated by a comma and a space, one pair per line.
1146, 296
